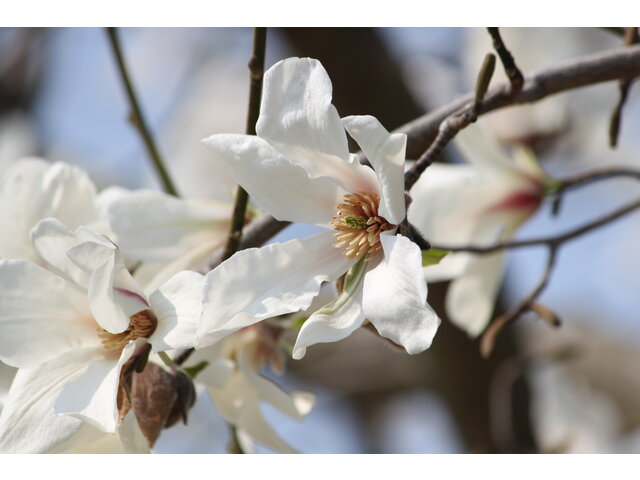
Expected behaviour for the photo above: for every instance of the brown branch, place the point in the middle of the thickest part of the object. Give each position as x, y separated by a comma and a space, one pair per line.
630, 37
256, 69
516, 79
526, 304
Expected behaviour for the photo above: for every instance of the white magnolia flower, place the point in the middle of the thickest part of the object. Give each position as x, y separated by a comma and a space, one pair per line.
70, 334
33, 189
299, 169
166, 233
480, 203
233, 380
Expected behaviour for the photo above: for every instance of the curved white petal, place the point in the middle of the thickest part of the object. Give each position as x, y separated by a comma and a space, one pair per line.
386, 152
471, 298
298, 119
28, 422
295, 405
336, 320
32, 190
273, 280
395, 296
92, 396
156, 227
41, 315
177, 305
282, 188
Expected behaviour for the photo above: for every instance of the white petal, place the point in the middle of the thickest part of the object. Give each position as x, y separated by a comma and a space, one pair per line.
395, 296
238, 404
296, 114
41, 315
273, 280
178, 307
92, 396
386, 152
295, 406
130, 436
32, 190
471, 298
279, 186
298, 119
156, 227
336, 320
29, 423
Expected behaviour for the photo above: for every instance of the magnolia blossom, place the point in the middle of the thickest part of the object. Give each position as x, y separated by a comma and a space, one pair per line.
71, 333
166, 233
233, 380
33, 189
299, 169
480, 203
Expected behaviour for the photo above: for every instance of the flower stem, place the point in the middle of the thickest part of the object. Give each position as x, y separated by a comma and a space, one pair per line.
256, 67
166, 359
136, 115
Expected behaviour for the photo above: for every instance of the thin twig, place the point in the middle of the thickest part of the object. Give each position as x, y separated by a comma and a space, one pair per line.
630, 37
489, 337
516, 79
450, 127
137, 118
560, 239
256, 69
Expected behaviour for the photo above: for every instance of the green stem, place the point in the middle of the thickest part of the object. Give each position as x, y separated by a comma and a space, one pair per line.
256, 67
136, 115
166, 359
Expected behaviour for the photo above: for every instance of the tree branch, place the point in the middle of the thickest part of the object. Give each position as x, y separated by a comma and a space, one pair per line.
514, 74
630, 37
256, 68
137, 118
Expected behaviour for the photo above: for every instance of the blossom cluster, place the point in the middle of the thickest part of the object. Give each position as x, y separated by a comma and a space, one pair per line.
101, 305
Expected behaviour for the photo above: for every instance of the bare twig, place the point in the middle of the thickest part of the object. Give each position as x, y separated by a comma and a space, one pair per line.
137, 118
630, 37
450, 127
528, 303
256, 68
516, 79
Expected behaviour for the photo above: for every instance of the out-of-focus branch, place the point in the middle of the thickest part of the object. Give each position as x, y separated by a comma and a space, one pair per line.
588, 70
516, 79
256, 69
631, 36
137, 118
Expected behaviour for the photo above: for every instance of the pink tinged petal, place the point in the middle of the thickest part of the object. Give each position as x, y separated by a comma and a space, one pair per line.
386, 153
395, 296
29, 422
177, 305
41, 315
336, 320
471, 298
282, 188
92, 396
156, 227
273, 280
295, 405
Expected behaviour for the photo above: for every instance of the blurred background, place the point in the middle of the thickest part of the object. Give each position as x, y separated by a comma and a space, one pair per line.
572, 389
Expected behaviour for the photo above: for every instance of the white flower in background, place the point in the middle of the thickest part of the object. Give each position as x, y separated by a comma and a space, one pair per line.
70, 334
480, 203
299, 169
233, 380
33, 189
168, 234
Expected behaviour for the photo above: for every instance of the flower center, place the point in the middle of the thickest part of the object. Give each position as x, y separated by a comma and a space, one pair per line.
141, 325
358, 225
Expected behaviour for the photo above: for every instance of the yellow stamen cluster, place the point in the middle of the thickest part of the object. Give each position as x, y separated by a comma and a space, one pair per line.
358, 225
141, 325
